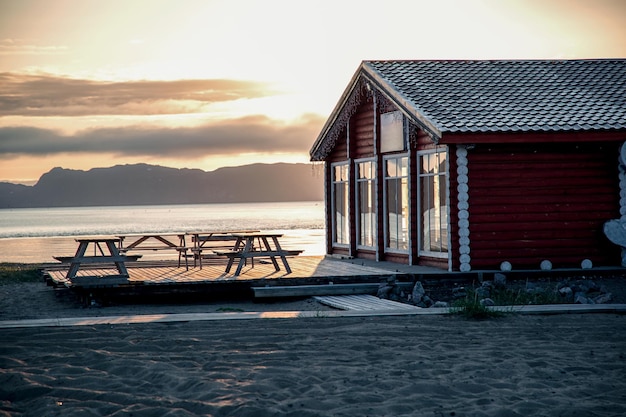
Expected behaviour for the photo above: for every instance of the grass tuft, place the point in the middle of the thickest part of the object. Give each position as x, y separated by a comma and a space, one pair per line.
471, 308
11, 273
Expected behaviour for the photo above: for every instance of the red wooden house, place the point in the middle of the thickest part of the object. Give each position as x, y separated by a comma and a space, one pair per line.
465, 165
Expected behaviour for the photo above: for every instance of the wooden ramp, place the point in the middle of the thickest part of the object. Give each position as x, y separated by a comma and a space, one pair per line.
276, 291
364, 303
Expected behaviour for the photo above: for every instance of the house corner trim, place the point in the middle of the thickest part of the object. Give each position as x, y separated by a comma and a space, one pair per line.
463, 207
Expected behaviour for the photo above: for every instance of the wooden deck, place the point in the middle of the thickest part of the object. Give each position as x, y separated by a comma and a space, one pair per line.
166, 277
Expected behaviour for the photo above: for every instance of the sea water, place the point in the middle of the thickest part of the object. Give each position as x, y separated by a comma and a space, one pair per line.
34, 235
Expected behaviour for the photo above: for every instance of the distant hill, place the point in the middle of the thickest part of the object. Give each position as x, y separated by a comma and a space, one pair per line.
142, 184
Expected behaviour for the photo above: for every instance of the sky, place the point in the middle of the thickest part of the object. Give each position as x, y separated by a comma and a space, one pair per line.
210, 83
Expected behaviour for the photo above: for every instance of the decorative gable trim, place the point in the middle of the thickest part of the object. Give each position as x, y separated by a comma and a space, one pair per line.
359, 93
364, 88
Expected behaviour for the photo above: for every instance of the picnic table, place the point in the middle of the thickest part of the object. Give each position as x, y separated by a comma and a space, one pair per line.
214, 240
112, 255
267, 246
155, 242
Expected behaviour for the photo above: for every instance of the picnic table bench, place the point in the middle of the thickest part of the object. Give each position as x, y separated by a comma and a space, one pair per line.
68, 259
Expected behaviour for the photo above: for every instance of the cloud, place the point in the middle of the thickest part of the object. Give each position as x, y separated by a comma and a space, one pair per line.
254, 134
20, 47
49, 95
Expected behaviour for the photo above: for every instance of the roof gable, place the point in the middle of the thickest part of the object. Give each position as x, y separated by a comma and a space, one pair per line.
446, 97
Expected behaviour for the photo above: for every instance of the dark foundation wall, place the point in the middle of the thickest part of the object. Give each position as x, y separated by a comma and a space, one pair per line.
542, 201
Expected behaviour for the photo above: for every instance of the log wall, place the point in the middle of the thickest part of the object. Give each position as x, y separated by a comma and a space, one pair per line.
541, 202
362, 131
340, 151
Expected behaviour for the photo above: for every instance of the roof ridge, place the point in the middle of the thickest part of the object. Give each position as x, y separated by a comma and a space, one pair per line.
497, 60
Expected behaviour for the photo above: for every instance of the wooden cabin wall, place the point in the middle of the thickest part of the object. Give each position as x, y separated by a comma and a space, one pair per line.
542, 201
340, 151
362, 133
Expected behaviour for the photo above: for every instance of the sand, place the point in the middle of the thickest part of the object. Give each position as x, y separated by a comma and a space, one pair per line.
36, 301
561, 365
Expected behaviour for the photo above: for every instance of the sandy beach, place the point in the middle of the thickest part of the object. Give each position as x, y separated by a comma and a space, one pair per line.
558, 365
381, 366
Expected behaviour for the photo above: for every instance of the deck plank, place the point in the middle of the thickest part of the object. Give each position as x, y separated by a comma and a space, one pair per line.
363, 303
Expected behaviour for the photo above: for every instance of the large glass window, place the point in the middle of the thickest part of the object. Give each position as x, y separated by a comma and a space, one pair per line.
366, 202
397, 196
434, 196
341, 225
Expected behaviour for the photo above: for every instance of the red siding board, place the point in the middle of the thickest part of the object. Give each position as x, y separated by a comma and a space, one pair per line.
341, 251
542, 202
481, 239
548, 219
434, 262
533, 137
366, 254
396, 257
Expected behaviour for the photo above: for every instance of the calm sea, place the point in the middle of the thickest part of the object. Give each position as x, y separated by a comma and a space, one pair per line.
35, 235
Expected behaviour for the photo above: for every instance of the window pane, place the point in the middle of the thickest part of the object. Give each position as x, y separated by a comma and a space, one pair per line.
443, 211
393, 215
424, 164
403, 241
404, 167
443, 157
366, 204
433, 202
397, 190
341, 173
427, 211
367, 218
392, 167
340, 213
365, 170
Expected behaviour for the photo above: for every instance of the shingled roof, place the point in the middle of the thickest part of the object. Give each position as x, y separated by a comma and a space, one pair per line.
448, 97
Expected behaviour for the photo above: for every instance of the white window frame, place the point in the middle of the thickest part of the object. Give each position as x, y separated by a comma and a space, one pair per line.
389, 249
335, 243
357, 182
421, 196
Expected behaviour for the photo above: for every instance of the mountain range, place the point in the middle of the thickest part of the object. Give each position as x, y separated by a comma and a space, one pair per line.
143, 184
